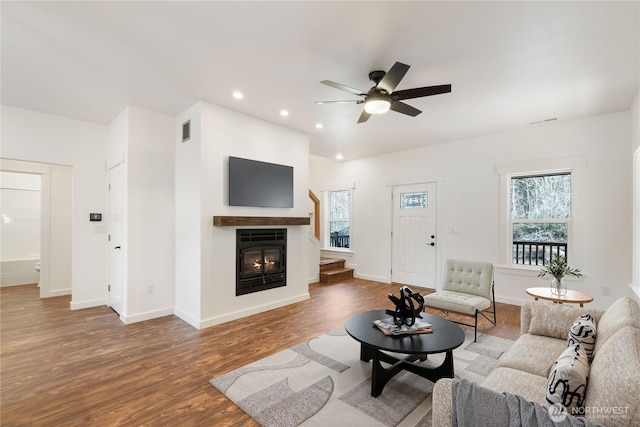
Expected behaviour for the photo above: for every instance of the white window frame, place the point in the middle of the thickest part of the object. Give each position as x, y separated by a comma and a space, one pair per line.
573, 165
326, 233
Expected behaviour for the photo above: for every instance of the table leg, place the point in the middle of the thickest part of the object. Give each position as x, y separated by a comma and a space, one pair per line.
380, 376
367, 352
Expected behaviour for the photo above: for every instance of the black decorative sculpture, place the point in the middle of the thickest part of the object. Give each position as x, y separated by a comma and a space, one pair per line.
406, 311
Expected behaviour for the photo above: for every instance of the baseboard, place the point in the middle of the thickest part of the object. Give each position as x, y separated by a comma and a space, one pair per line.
253, 310
313, 279
58, 293
186, 317
3, 285
372, 278
74, 305
512, 301
141, 317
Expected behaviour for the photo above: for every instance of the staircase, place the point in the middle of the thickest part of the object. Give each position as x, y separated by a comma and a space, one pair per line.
332, 270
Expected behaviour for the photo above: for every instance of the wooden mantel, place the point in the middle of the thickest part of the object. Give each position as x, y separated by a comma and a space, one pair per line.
234, 221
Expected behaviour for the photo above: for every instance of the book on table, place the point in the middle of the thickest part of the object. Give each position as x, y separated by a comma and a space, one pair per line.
388, 327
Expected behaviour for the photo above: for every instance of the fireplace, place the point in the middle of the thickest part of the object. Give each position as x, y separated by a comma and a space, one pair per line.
260, 260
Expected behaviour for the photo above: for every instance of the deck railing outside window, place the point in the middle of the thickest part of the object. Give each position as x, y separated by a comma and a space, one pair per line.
338, 241
537, 253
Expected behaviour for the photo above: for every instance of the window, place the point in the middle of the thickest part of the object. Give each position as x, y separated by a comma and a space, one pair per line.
540, 217
339, 218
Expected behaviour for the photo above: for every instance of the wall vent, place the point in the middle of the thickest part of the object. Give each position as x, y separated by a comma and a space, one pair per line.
186, 131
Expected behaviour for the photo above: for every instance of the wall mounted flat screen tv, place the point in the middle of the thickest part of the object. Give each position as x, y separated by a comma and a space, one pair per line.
260, 184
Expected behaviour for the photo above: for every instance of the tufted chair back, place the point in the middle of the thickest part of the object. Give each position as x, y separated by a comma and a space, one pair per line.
471, 277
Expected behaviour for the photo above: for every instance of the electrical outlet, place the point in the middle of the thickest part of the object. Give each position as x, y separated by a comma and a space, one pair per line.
150, 289
606, 290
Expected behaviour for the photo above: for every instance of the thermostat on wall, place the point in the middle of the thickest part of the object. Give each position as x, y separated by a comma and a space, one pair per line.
95, 217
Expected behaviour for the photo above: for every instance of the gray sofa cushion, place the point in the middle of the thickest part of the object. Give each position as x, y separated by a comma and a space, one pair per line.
623, 312
522, 356
531, 387
555, 320
614, 381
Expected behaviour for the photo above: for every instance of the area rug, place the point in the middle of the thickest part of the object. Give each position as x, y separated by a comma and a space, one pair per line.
323, 382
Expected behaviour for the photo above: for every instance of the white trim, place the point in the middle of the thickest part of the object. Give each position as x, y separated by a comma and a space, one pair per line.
412, 181
512, 301
58, 293
541, 165
186, 317
380, 279
326, 219
635, 238
339, 250
550, 166
212, 321
73, 305
141, 317
337, 186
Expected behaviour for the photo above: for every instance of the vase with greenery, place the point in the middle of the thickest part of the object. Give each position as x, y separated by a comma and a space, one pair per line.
558, 269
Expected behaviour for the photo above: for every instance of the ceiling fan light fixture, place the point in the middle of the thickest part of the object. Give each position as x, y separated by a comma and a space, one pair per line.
376, 105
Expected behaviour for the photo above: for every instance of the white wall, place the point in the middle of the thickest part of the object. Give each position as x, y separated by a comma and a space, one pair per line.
143, 141
634, 111
150, 215
20, 224
635, 150
188, 228
218, 133
468, 197
37, 137
19, 228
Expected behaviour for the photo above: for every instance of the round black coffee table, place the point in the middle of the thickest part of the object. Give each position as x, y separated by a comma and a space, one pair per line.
445, 338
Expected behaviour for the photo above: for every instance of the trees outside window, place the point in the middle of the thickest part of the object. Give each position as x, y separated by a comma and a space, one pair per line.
540, 216
339, 218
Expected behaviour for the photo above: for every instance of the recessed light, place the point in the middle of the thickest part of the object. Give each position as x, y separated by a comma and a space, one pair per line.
339, 157
238, 95
318, 125
284, 113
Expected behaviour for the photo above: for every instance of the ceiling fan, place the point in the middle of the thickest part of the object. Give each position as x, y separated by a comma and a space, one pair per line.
381, 97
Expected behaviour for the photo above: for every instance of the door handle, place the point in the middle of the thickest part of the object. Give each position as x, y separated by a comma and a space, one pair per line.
117, 247
432, 244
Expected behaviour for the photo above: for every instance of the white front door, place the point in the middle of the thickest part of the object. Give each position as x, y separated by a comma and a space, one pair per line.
413, 242
116, 213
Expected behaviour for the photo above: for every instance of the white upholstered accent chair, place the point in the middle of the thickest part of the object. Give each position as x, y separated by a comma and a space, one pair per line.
468, 289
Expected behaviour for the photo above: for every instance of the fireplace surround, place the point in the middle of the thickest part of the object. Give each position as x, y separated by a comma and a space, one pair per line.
260, 259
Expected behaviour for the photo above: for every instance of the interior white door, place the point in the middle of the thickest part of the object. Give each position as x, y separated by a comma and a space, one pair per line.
116, 213
413, 242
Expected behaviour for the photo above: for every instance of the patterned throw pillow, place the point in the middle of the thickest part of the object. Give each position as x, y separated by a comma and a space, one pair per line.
568, 379
583, 332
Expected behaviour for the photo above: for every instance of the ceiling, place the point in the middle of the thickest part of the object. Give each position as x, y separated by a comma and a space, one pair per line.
510, 63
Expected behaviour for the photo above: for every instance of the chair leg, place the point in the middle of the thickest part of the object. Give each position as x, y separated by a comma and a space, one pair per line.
494, 312
493, 297
475, 328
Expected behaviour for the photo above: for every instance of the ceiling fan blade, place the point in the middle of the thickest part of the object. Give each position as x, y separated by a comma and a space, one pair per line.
401, 107
343, 87
364, 117
393, 77
420, 92
357, 101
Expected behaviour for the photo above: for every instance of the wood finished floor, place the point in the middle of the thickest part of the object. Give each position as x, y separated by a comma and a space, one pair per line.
85, 368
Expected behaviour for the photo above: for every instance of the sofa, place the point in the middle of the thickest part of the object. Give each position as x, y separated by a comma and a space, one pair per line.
612, 395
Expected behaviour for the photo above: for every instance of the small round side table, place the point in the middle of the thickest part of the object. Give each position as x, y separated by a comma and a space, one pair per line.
572, 297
